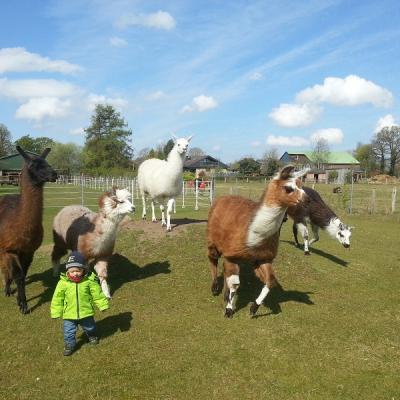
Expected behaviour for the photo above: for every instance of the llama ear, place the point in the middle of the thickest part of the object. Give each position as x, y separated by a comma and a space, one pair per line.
114, 190
189, 138
23, 154
301, 173
286, 173
175, 138
45, 152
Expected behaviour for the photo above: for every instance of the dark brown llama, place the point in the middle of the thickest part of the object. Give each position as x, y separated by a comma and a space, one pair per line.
240, 229
21, 230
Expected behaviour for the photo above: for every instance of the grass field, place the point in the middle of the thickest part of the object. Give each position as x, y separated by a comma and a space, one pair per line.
333, 333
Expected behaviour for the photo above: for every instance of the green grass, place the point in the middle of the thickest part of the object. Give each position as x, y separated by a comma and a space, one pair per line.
332, 334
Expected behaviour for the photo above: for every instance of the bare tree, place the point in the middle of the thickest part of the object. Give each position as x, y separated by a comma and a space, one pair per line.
320, 153
386, 145
6, 146
270, 162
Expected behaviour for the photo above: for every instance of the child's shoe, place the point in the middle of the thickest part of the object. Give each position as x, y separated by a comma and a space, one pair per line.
68, 349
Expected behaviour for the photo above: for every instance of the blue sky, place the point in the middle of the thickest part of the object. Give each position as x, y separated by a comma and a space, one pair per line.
243, 77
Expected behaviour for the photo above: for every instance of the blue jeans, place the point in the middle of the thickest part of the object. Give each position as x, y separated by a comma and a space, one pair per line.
71, 325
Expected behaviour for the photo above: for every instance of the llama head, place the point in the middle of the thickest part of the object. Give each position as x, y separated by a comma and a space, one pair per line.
284, 190
116, 203
343, 233
38, 168
182, 144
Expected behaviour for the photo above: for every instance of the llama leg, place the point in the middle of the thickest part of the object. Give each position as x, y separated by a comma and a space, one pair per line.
101, 270
59, 250
265, 273
213, 256
170, 207
315, 238
304, 234
231, 272
19, 278
295, 231
153, 214
163, 222
6, 269
143, 206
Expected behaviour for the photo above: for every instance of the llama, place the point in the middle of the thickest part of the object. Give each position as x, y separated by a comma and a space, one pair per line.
240, 229
315, 211
21, 229
78, 228
162, 180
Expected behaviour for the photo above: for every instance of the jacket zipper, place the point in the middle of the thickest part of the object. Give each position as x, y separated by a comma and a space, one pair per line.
77, 300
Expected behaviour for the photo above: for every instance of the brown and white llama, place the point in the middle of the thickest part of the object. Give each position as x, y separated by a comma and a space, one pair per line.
78, 228
240, 229
21, 229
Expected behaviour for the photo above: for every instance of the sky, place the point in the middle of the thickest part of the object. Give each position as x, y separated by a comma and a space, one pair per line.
242, 77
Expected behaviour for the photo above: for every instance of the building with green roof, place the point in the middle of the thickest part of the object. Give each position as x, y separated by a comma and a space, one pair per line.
11, 166
340, 161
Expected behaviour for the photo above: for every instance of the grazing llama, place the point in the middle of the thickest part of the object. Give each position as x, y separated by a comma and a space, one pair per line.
240, 229
162, 180
315, 211
78, 228
21, 229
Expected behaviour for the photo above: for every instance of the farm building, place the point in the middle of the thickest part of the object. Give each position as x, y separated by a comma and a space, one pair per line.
340, 161
204, 164
10, 168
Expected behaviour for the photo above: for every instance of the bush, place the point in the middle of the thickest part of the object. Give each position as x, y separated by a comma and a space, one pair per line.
188, 176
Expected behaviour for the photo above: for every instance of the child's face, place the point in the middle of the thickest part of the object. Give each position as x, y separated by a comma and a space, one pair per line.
75, 272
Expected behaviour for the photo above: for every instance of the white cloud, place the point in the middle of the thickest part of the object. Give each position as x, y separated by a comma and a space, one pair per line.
331, 135
37, 109
291, 141
158, 20
295, 115
256, 76
386, 121
17, 59
94, 99
158, 95
200, 103
28, 88
77, 132
349, 91
118, 42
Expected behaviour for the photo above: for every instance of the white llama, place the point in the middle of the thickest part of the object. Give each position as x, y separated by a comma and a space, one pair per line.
162, 180
78, 228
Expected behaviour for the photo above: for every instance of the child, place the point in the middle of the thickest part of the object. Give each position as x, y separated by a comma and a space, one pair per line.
73, 300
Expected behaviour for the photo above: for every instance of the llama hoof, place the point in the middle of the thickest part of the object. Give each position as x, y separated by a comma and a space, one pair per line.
228, 313
307, 253
24, 309
253, 309
215, 289
153, 220
169, 229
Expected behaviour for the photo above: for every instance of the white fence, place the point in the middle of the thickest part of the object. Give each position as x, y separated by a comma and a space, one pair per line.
86, 191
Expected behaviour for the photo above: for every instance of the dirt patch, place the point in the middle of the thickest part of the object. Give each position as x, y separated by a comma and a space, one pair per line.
154, 230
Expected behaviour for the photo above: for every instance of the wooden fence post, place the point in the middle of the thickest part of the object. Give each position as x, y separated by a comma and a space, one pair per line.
373, 201
394, 195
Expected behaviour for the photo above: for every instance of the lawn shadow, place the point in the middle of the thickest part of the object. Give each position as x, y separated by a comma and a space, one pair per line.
186, 221
114, 323
121, 270
321, 253
250, 288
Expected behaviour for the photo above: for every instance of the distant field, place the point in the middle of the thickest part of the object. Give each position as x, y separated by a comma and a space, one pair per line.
333, 333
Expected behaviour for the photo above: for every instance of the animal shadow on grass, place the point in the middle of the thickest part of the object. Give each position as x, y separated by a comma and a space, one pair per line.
48, 281
321, 253
250, 288
186, 221
122, 270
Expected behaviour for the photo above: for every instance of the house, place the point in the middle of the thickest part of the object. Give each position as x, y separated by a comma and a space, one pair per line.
11, 166
340, 161
203, 164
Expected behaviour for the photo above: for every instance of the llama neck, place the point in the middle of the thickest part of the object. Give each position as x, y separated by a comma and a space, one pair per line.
175, 160
266, 222
333, 227
31, 206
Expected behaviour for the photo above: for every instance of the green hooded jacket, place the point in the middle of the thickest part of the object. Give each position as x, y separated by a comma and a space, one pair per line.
76, 300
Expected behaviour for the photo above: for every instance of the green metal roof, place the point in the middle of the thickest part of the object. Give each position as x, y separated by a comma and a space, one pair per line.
14, 162
335, 157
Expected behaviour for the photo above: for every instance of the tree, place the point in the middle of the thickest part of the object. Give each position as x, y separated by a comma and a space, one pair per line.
36, 145
66, 157
196, 152
248, 166
168, 147
107, 144
6, 146
270, 162
387, 144
365, 155
320, 153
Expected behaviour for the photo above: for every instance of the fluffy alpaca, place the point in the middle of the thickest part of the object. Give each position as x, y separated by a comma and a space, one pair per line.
240, 229
315, 211
21, 229
162, 180
78, 228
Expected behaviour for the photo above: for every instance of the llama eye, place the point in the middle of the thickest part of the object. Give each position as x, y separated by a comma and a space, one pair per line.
340, 234
288, 189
